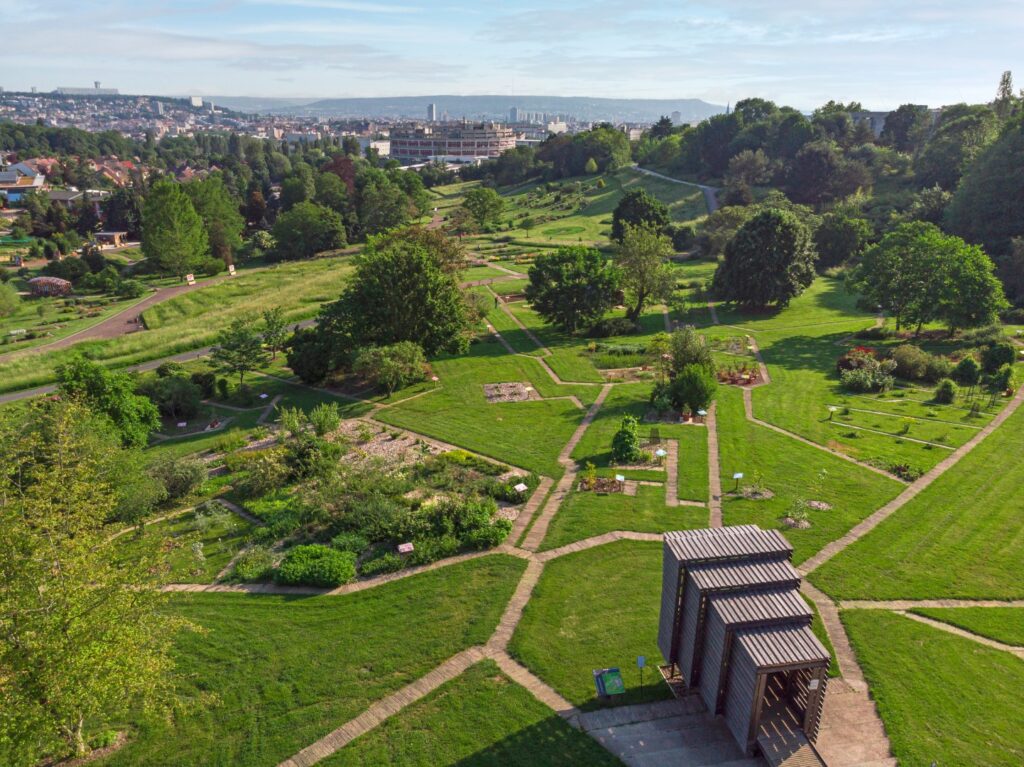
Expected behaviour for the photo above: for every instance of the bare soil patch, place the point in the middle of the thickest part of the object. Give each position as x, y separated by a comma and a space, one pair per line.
516, 391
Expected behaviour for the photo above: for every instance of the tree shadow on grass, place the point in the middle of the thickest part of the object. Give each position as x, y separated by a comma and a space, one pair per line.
818, 353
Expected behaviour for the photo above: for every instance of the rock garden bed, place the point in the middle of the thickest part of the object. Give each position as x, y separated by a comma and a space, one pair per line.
516, 391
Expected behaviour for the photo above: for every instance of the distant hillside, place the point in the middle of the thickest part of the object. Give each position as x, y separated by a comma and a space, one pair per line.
481, 107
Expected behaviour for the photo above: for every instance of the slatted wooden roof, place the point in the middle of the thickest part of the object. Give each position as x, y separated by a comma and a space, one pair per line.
719, 576
762, 606
742, 541
782, 646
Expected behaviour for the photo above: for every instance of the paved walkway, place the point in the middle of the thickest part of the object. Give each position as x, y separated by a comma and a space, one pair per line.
714, 470
912, 491
671, 473
386, 708
527, 512
710, 192
540, 528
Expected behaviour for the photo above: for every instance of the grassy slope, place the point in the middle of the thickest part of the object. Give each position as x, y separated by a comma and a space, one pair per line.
943, 699
586, 514
286, 671
482, 719
526, 434
192, 320
790, 469
1003, 624
591, 610
960, 538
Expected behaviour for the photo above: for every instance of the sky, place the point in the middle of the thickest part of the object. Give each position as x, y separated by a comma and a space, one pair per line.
880, 52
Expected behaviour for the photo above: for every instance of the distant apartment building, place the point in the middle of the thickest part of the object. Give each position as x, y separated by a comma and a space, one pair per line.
431, 113
382, 145
677, 118
454, 142
96, 90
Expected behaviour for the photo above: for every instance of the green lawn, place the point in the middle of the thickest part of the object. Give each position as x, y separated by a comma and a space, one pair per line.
220, 542
1003, 624
270, 675
192, 320
632, 399
791, 469
591, 610
479, 719
525, 434
960, 538
944, 699
586, 514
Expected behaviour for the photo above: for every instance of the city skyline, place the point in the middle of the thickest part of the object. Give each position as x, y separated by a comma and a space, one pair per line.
881, 54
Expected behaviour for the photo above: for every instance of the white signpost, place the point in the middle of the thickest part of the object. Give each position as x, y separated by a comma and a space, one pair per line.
190, 279
231, 269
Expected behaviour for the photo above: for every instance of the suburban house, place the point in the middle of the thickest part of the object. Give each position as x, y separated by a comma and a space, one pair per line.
18, 179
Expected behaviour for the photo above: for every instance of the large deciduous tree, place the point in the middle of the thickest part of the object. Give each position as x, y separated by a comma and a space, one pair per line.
920, 274
642, 259
111, 395
635, 208
840, 238
307, 229
988, 206
173, 235
769, 261
402, 290
82, 637
239, 348
484, 205
906, 128
573, 287
219, 211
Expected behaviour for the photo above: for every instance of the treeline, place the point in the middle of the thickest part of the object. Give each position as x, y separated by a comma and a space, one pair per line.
961, 169
602, 149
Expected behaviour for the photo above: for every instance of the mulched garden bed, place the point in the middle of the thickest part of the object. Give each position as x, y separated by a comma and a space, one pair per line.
602, 485
510, 392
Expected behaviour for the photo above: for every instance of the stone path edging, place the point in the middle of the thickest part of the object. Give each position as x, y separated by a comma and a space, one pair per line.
909, 604
714, 470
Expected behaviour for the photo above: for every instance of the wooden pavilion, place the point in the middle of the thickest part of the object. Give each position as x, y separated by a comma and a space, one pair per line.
735, 631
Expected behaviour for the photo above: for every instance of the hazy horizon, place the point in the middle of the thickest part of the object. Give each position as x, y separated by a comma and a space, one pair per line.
881, 54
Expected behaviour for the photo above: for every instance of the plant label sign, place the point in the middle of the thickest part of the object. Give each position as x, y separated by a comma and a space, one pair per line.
608, 681
231, 269
641, 661
190, 279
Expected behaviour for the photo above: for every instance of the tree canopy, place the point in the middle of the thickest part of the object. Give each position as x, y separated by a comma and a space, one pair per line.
84, 640
173, 235
307, 229
111, 395
573, 287
642, 259
638, 207
769, 261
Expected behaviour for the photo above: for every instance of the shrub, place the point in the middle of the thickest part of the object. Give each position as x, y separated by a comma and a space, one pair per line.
253, 564
626, 442
489, 536
905, 471
989, 334
265, 471
324, 418
207, 383
223, 388
179, 476
391, 367
612, 326
427, 550
866, 379
967, 372
353, 542
104, 739
386, 563
693, 388
167, 369
995, 356
938, 368
875, 333
316, 565
174, 396
856, 358
911, 362
1002, 379
945, 392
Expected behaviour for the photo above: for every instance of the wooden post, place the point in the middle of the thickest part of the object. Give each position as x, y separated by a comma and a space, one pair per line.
814, 702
